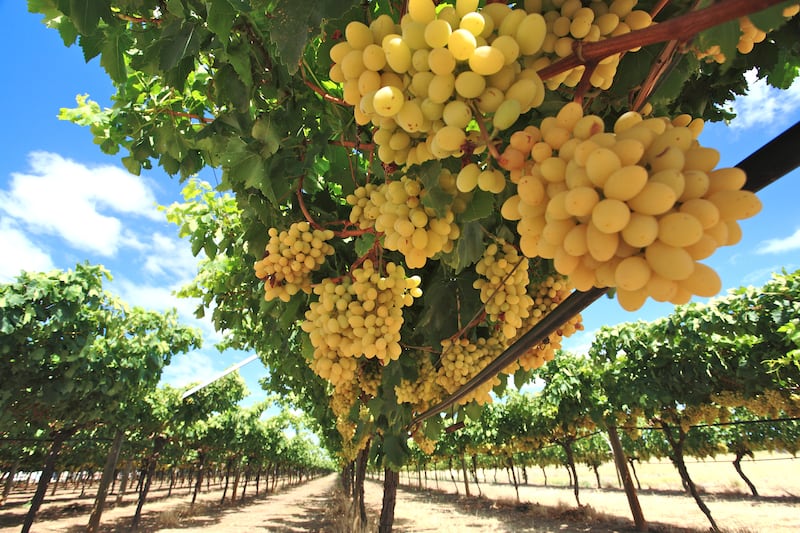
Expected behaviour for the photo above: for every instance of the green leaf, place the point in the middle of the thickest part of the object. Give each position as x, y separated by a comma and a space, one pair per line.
221, 16
112, 56
181, 39
469, 247
770, 18
480, 206
364, 243
86, 14
230, 88
291, 24
395, 451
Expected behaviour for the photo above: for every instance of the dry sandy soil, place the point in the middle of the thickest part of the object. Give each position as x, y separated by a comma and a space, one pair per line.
314, 506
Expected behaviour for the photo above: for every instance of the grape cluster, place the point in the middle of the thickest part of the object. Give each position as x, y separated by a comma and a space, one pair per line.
421, 81
503, 286
290, 258
424, 391
749, 36
546, 295
569, 21
360, 316
635, 209
395, 209
462, 360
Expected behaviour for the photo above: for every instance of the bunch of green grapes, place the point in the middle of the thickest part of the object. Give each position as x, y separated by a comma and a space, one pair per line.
423, 392
635, 209
425, 444
290, 258
462, 360
360, 316
503, 286
569, 21
546, 295
369, 379
395, 209
749, 35
421, 81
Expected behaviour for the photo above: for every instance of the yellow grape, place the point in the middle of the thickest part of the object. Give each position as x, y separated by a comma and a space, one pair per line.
510, 208
441, 61
602, 246
600, 164
703, 248
631, 300
629, 151
492, 181
373, 57
388, 101
398, 54
423, 11
660, 288
704, 210
625, 183
486, 60
632, 273
472, 22
669, 261
531, 190
641, 230
462, 44
701, 158
580, 201
672, 177
679, 229
654, 199
734, 232
610, 216
726, 179
358, 35
736, 205
450, 138
703, 281
506, 115
469, 84
466, 7
457, 113
576, 241
437, 33
695, 185
441, 88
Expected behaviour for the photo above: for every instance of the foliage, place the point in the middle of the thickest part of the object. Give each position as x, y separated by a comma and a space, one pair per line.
246, 87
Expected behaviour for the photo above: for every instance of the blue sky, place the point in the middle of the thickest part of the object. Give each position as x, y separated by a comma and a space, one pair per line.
62, 201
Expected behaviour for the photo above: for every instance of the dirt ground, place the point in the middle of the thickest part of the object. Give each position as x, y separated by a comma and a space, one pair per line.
492, 506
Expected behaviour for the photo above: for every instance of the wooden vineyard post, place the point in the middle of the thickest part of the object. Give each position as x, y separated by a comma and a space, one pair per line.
627, 483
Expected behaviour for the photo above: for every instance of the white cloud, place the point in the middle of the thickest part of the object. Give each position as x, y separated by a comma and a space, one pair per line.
71, 200
161, 298
170, 256
778, 246
19, 252
189, 368
763, 105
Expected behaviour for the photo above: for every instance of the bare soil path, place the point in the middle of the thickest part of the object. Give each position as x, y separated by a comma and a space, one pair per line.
316, 506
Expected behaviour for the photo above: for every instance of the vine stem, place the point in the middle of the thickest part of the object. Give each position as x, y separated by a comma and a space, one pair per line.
319, 90
485, 135
205, 120
679, 28
303, 207
353, 144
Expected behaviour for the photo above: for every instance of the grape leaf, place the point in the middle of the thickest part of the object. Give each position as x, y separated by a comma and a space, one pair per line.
769, 19
480, 206
221, 15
